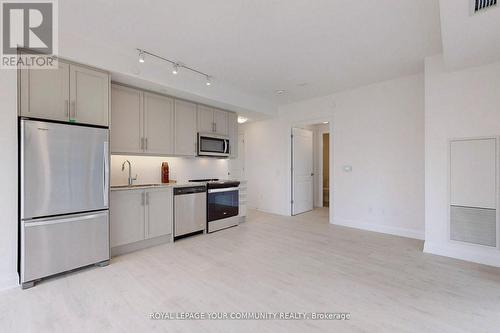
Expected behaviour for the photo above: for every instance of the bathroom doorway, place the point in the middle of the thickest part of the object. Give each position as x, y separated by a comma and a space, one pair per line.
326, 169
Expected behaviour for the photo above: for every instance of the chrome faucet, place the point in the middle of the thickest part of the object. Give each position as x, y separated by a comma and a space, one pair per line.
130, 179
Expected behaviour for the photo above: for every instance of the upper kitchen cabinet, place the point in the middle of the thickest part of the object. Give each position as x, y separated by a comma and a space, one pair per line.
232, 121
45, 93
126, 120
141, 122
185, 128
159, 124
211, 120
70, 93
220, 121
89, 96
205, 119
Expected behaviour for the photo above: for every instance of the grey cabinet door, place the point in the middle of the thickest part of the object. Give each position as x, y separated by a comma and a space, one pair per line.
185, 128
127, 217
45, 93
233, 134
158, 124
89, 96
159, 211
220, 122
127, 120
205, 119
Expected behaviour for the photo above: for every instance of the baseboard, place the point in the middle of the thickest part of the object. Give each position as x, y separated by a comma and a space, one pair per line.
141, 245
473, 253
9, 282
403, 232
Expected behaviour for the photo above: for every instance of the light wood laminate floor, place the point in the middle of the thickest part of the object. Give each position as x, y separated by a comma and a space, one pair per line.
270, 263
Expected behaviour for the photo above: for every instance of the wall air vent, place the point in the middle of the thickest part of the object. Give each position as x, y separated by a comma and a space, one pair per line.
479, 6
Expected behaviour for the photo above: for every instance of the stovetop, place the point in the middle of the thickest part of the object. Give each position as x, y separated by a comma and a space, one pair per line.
204, 180
217, 183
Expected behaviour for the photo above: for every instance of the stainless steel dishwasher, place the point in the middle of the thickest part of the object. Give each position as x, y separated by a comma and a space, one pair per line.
190, 210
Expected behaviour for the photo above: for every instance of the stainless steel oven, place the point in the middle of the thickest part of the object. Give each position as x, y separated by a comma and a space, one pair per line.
210, 144
222, 205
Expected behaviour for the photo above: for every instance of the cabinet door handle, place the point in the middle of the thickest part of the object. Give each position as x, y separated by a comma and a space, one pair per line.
147, 198
66, 108
145, 143
142, 143
143, 199
215, 126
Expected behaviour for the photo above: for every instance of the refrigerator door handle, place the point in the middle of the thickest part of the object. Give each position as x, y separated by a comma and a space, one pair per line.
50, 221
106, 175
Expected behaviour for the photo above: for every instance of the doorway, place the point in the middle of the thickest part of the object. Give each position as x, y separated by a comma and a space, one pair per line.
326, 169
310, 164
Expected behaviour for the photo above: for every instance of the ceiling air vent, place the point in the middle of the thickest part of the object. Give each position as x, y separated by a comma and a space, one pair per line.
479, 6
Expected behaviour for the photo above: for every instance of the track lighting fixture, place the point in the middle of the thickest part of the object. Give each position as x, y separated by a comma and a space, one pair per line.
176, 66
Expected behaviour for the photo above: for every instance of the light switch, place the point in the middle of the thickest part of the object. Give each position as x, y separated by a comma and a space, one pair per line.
347, 168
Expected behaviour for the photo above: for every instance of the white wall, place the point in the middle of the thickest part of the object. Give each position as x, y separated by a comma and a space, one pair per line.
457, 105
378, 129
148, 169
8, 170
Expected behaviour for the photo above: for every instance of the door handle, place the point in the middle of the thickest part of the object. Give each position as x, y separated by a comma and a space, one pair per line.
50, 221
106, 175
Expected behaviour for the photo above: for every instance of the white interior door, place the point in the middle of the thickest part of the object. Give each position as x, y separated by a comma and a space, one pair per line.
302, 171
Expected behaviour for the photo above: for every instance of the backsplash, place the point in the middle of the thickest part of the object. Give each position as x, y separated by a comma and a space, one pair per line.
148, 168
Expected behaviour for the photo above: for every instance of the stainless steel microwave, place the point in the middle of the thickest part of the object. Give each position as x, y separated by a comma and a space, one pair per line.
215, 145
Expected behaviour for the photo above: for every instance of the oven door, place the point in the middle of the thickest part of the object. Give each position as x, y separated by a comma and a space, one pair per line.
213, 145
222, 203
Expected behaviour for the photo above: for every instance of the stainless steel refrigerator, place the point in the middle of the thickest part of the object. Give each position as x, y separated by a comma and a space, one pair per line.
64, 173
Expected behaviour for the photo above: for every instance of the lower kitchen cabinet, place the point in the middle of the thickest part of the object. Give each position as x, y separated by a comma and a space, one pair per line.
159, 212
127, 218
139, 215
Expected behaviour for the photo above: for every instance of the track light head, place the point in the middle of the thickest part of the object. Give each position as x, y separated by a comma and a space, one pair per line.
141, 57
175, 69
209, 81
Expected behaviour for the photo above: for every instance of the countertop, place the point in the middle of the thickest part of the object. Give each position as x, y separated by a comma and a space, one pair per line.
153, 186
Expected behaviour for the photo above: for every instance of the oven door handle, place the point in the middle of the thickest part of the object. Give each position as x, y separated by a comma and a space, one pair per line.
219, 190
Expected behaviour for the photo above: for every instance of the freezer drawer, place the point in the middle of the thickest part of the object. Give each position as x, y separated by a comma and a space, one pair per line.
51, 246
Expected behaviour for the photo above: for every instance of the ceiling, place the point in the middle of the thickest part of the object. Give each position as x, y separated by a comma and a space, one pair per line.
308, 48
469, 40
